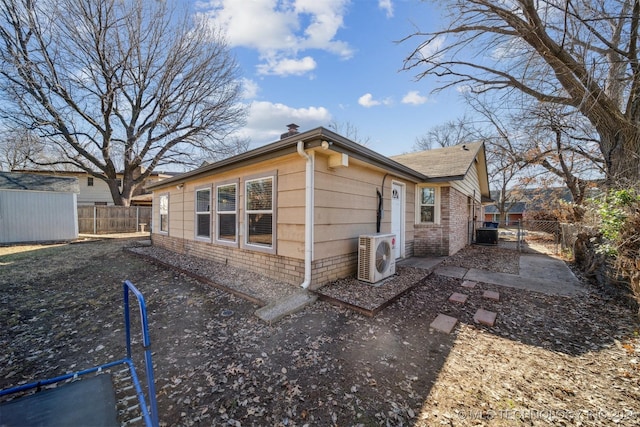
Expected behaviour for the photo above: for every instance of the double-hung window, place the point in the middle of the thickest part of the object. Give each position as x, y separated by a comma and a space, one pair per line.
259, 218
226, 213
164, 213
428, 204
203, 213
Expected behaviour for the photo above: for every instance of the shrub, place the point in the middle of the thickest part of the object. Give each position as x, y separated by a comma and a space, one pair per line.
618, 213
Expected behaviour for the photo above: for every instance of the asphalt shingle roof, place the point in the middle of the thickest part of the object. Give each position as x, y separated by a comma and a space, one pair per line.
36, 182
448, 162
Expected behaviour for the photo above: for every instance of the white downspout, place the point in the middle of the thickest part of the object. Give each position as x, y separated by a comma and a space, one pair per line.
308, 213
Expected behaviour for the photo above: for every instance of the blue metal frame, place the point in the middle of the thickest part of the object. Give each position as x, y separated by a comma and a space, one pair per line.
149, 409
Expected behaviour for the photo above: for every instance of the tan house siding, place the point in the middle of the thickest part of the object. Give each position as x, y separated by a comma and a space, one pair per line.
287, 264
346, 202
470, 184
345, 207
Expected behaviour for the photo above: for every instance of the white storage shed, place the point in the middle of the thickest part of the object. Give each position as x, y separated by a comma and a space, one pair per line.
37, 208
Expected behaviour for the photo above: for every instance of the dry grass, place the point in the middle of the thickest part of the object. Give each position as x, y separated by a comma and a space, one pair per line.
547, 360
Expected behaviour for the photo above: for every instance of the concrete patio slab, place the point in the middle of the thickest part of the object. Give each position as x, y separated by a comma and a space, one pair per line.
451, 271
458, 298
485, 317
544, 267
529, 283
285, 306
491, 295
427, 263
444, 323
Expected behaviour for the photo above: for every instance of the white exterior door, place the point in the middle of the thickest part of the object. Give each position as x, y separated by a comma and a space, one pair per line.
397, 216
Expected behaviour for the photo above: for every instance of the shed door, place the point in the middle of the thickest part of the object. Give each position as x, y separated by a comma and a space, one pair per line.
397, 215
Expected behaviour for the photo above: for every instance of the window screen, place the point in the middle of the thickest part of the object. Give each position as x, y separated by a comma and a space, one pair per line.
427, 204
259, 211
203, 213
226, 212
164, 213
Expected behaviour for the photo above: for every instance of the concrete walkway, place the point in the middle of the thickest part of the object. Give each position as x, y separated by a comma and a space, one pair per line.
538, 273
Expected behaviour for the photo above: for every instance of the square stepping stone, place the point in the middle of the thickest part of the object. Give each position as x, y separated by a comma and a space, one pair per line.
485, 317
444, 323
458, 297
492, 295
469, 284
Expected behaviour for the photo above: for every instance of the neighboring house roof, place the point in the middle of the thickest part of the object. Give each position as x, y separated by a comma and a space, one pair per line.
312, 138
37, 182
516, 208
531, 199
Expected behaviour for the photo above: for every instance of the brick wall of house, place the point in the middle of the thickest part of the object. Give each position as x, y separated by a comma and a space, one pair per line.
459, 217
451, 234
288, 270
329, 269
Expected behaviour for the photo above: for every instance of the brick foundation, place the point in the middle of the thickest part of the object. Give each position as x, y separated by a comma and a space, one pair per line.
288, 270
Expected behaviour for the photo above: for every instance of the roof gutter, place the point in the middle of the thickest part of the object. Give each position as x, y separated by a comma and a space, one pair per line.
308, 212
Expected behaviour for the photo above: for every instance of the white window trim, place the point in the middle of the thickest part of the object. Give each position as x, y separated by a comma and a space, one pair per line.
160, 230
196, 213
274, 191
436, 208
236, 240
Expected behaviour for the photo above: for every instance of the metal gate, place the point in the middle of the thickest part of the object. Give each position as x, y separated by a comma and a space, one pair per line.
539, 236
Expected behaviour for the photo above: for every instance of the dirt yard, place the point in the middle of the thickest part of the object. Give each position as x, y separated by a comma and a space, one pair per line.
548, 360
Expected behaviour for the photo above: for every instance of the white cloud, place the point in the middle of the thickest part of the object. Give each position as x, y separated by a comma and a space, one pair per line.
413, 97
367, 101
387, 6
432, 50
267, 120
252, 24
287, 67
326, 18
280, 30
249, 88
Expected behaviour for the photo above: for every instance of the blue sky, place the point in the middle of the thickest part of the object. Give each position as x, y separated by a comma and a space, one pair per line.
313, 62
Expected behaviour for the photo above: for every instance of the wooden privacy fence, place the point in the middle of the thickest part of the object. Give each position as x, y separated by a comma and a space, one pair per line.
113, 219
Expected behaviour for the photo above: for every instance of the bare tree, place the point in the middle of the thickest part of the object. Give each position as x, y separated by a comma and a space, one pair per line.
452, 132
117, 86
581, 53
544, 145
17, 147
350, 131
505, 166
564, 148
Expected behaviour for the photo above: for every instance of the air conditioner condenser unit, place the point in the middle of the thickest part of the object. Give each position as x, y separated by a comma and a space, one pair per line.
376, 257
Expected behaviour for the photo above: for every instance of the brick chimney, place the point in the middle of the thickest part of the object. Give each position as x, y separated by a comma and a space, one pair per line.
293, 130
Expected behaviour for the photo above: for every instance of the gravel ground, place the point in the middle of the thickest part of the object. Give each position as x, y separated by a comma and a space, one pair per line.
548, 360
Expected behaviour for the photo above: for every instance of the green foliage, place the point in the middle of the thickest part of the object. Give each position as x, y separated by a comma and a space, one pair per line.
613, 211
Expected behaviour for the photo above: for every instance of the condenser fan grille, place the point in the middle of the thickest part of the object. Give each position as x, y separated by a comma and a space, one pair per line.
383, 254
376, 260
